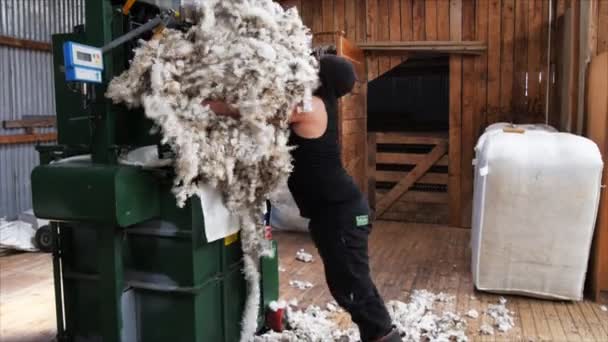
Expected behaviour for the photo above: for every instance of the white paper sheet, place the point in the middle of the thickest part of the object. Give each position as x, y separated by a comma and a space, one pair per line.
219, 221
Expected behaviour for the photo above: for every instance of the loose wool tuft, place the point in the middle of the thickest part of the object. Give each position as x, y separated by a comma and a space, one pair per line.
251, 54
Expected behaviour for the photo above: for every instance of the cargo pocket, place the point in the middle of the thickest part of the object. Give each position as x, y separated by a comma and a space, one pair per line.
355, 236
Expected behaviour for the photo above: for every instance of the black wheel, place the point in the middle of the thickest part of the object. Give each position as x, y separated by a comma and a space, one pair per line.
44, 239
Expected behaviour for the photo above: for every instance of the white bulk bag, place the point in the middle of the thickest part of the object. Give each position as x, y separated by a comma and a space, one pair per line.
535, 204
284, 213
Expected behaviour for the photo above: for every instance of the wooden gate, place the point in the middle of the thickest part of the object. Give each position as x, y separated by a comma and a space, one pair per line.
408, 176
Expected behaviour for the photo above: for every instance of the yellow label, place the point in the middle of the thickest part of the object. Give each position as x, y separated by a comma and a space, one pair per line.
230, 239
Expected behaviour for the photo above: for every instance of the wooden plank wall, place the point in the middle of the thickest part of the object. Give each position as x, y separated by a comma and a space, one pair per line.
597, 38
579, 32
601, 18
509, 83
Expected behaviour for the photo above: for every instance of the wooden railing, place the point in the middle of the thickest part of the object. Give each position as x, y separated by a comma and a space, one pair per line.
28, 125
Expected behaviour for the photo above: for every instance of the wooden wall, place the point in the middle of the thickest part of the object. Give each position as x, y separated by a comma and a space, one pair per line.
599, 17
579, 32
592, 119
508, 83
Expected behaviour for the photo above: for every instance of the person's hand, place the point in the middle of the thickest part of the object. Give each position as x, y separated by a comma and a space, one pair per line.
221, 108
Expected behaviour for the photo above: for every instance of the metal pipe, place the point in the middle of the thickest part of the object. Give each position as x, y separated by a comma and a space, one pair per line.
150, 25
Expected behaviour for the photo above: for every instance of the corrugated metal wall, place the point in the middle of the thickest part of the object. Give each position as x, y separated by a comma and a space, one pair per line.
26, 86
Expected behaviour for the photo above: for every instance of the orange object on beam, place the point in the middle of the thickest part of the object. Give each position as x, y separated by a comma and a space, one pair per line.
127, 7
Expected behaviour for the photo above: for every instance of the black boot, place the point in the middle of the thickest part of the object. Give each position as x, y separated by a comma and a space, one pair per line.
392, 336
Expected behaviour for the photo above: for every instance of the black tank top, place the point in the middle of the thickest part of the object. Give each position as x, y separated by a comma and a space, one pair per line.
319, 179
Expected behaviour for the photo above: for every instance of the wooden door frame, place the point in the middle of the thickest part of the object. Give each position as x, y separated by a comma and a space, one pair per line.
455, 137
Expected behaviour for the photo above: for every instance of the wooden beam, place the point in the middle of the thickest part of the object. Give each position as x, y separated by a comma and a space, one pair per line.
401, 187
573, 86
417, 196
422, 43
352, 164
592, 28
27, 138
25, 44
469, 116
416, 138
454, 170
445, 46
29, 123
602, 27
401, 51
396, 176
407, 158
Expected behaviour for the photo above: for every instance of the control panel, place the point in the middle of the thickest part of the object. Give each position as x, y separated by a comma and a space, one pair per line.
82, 63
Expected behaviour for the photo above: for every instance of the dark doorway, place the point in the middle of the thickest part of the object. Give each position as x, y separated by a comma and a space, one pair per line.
408, 118
412, 97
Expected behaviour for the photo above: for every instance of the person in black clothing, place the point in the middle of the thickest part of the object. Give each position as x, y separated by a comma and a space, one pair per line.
338, 211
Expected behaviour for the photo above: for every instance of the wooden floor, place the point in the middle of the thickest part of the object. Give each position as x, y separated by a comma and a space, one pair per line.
27, 300
413, 256
404, 257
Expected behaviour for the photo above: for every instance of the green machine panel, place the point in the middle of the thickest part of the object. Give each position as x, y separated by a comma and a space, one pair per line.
78, 191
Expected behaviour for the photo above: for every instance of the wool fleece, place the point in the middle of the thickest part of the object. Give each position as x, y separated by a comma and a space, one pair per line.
255, 56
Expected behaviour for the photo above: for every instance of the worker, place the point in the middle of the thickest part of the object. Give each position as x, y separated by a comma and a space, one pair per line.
338, 212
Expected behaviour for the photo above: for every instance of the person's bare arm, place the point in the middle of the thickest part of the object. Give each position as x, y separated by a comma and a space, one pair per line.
222, 108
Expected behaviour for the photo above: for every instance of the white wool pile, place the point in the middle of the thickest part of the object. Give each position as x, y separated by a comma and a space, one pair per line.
473, 314
417, 321
312, 325
503, 317
486, 329
251, 54
332, 307
300, 284
256, 57
303, 256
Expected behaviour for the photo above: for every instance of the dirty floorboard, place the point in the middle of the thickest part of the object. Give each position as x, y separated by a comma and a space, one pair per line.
404, 257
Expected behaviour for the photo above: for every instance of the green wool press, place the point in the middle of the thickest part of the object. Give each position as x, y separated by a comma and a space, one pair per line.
129, 265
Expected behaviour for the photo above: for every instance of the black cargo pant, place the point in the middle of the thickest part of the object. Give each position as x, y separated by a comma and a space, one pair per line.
340, 233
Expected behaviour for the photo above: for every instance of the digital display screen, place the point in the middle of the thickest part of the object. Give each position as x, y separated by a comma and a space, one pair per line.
84, 56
